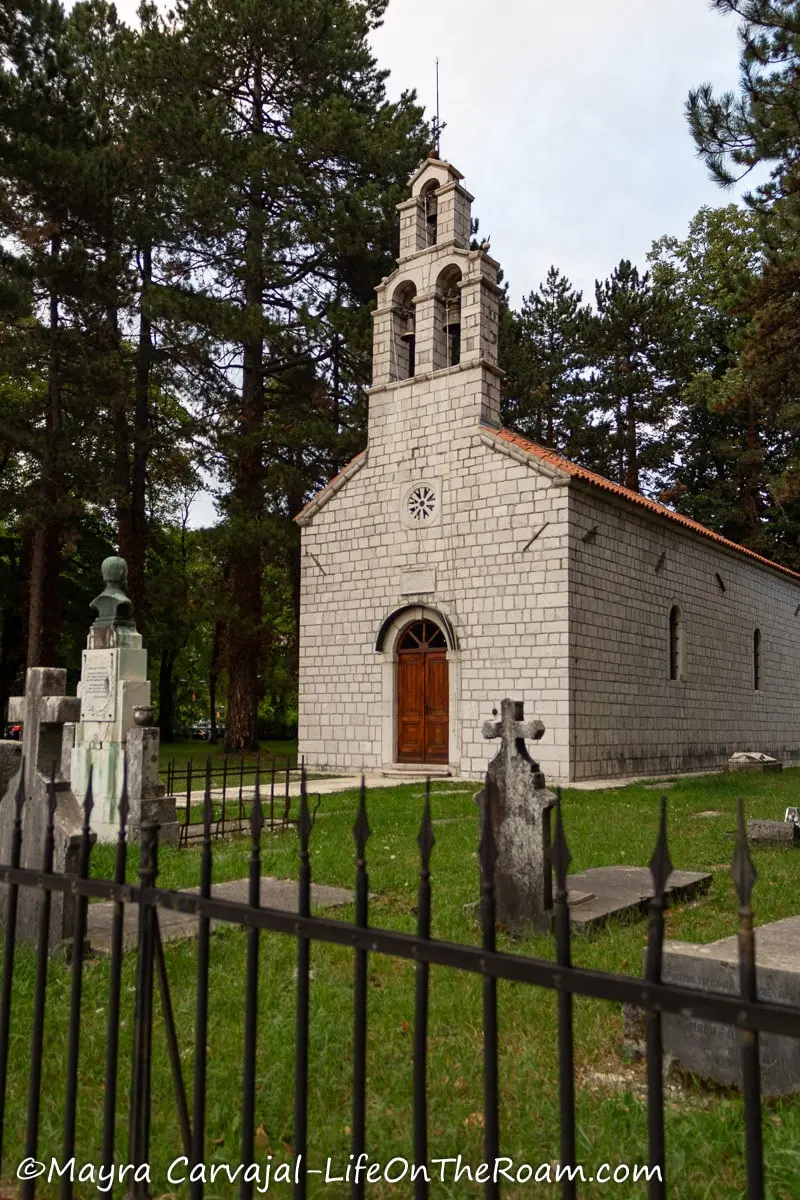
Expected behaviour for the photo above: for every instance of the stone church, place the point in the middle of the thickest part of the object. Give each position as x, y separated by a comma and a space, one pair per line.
453, 563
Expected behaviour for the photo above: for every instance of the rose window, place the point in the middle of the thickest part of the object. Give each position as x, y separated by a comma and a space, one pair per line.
421, 503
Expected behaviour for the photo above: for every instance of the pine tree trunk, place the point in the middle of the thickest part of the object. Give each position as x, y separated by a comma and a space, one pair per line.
246, 500
631, 479
119, 408
166, 696
44, 605
213, 676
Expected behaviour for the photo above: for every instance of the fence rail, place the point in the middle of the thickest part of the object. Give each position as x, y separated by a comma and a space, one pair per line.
230, 783
743, 1012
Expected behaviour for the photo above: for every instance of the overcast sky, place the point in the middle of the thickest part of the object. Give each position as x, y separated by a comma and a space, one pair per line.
566, 119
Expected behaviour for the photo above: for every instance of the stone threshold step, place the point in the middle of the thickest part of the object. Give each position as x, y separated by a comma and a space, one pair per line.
416, 771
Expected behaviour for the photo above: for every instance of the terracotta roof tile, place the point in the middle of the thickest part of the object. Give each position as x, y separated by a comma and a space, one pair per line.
616, 489
320, 497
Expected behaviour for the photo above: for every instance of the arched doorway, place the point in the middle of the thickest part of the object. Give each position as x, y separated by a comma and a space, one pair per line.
423, 701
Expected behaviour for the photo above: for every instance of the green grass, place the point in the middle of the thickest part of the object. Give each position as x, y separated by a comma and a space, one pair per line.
199, 751
704, 1125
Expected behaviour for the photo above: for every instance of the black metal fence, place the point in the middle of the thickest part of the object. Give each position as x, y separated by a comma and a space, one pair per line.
743, 1012
230, 782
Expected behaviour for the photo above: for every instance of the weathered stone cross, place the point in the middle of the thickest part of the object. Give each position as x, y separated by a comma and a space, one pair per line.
44, 710
47, 717
520, 821
512, 729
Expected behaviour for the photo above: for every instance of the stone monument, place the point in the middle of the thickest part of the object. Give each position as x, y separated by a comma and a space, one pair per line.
116, 721
66, 740
520, 822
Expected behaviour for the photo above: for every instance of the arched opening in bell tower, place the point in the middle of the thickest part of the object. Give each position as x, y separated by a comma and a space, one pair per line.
404, 331
430, 205
447, 339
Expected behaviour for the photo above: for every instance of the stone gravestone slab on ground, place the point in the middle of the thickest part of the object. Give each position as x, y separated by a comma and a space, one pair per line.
714, 1051
771, 833
752, 760
116, 720
520, 822
602, 893
45, 712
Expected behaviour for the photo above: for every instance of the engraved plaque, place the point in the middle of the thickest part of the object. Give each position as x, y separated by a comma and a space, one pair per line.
414, 582
98, 699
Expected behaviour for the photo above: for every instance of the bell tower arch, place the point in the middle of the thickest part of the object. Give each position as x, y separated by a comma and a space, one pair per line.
438, 312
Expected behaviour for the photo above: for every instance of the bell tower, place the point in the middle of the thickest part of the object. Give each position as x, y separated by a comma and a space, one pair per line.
437, 314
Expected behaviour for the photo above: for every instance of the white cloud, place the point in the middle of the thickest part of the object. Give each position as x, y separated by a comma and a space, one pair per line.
567, 119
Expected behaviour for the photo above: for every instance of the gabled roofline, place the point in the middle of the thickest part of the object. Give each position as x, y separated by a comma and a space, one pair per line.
307, 514
433, 159
505, 441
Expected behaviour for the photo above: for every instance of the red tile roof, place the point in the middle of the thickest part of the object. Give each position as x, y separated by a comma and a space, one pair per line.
330, 488
661, 510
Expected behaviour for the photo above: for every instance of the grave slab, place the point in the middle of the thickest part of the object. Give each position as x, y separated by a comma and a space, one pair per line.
752, 760
713, 1051
601, 893
785, 833
275, 893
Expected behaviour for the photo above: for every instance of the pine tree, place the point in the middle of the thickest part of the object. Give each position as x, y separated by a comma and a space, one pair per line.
635, 376
734, 134
543, 351
42, 143
301, 161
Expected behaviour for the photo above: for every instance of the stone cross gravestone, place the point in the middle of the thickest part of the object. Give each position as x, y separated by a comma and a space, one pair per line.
45, 712
116, 720
520, 822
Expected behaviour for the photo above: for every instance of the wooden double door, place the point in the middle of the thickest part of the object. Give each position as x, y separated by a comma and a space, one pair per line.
423, 700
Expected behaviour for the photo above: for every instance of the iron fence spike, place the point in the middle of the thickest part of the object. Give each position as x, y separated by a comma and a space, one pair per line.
88, 800
561, 856
19, 796
361, 829
743, 870
124, 803
661, 864
425, 838
51, 797
304, 823
257, 813
207, 806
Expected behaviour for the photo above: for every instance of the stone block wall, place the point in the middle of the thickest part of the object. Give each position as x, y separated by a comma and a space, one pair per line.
505, 595
627, 570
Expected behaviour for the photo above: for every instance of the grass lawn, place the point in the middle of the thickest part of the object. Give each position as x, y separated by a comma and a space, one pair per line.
705, 1127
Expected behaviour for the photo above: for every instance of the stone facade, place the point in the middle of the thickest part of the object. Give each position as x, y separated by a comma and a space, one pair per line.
551, 587
628, 716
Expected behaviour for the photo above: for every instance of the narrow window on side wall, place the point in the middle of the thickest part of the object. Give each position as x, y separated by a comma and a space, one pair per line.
675, 642
757, 660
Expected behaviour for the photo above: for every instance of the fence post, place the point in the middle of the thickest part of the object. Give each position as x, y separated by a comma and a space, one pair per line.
8, 952
40, 994
488, 917
139, 1129
361, 832
560, 858
115, 981
425, 841
744, 877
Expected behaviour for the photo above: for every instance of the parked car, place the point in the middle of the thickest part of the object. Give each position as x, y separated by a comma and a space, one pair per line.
14, 732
